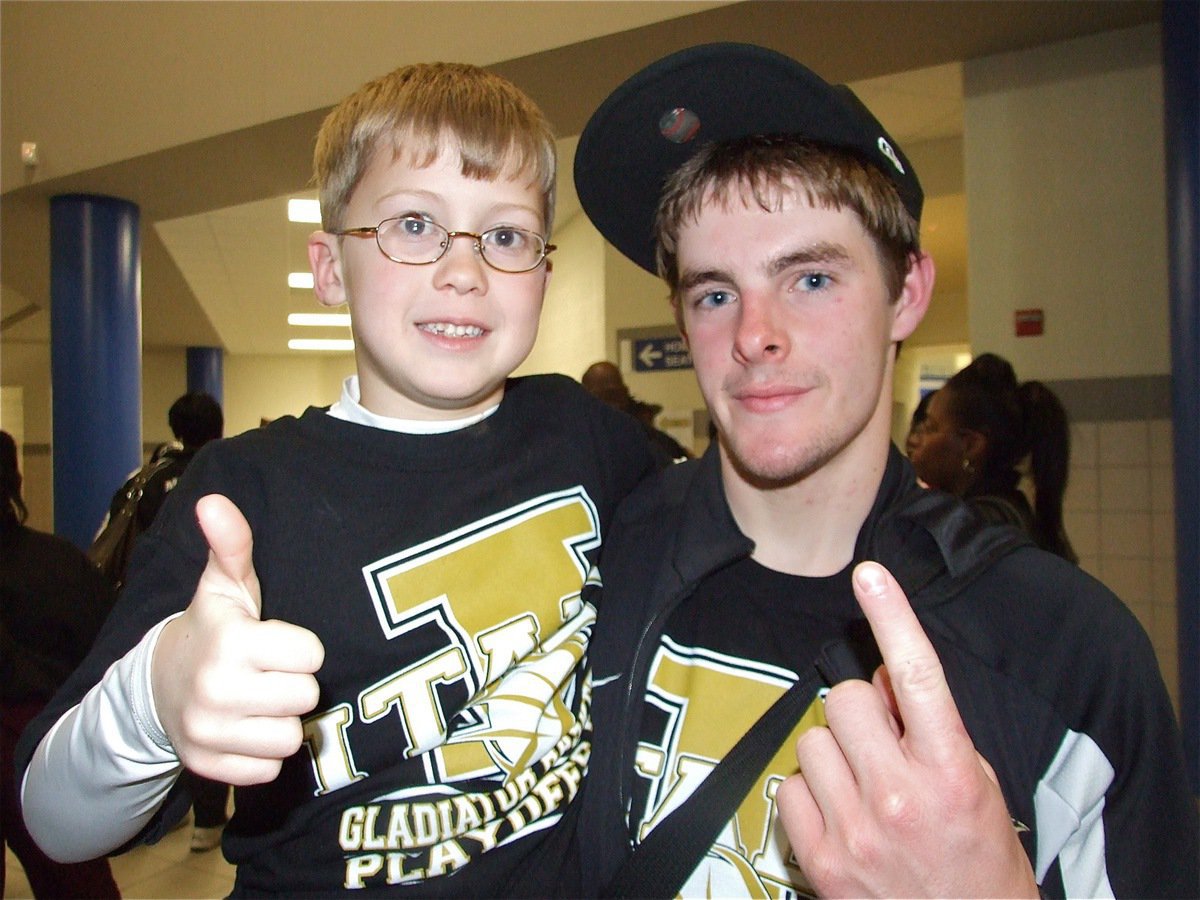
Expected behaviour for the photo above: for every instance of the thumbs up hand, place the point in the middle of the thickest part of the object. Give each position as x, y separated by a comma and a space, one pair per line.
230, 688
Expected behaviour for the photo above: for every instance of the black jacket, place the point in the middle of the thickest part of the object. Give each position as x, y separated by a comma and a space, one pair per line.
53, 602
1052, 674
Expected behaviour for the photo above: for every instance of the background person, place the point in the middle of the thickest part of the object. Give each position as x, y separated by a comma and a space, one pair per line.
915, 425
195, 419
52, 604
980, 428
603, 380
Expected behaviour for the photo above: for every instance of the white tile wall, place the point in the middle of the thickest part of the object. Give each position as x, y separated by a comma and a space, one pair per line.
1128, 578
1124, 489
1162, 488
1124, 535
1119, 514
1164, 586
1123, 444
1084, 437
1162, 535
1161, 438
1083, 528
1083, 488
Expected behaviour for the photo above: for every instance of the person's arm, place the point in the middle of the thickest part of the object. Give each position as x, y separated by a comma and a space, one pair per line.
892, 799
1141, 829
223, 696
107, 760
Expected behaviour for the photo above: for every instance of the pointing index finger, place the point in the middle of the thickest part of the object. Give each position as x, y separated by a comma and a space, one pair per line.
933, 728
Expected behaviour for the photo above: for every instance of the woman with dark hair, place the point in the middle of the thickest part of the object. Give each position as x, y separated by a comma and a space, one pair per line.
52, 604
916, 425
979, 430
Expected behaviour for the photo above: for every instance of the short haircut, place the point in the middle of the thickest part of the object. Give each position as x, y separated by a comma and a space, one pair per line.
421, 110
196, 419
770, 167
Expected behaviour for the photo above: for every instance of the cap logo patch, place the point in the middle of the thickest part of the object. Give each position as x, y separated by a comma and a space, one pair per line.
679, 125
886, 149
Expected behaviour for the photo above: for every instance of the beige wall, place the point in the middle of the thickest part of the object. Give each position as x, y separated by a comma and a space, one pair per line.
572, 329
1120, 514
637, 299
25, 375
1065, 174
25, 369
267, 387
1064, 171
255, 387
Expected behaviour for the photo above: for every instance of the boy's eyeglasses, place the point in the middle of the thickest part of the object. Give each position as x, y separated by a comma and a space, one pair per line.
415, 241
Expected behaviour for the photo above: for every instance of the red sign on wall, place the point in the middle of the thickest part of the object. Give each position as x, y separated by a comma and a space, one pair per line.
1030, 322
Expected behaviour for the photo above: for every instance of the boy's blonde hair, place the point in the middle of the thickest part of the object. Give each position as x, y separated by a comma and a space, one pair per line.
425, 108
771, 167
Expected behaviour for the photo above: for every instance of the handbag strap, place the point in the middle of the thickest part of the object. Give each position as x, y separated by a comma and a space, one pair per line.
136, 486
662, 862
144, 474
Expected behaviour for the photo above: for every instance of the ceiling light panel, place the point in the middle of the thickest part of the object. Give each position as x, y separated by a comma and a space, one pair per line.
343, 345
320, 320
301, 210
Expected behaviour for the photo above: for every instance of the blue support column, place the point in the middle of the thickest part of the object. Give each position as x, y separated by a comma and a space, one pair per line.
205, 372
1181, 100
95, 356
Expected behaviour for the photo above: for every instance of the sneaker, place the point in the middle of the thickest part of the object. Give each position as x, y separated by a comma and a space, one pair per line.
205, 839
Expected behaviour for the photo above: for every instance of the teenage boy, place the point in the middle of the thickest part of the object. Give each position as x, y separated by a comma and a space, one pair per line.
375, 628
785, 223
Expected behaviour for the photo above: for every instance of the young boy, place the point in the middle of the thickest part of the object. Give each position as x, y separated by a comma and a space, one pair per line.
385, 647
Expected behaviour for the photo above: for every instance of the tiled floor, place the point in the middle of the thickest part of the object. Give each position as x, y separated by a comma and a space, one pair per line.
166, 870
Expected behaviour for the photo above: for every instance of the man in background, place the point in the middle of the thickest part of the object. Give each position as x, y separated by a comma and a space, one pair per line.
603, 380
195, 419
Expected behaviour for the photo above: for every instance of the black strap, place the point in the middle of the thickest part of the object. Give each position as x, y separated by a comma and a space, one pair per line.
673, 849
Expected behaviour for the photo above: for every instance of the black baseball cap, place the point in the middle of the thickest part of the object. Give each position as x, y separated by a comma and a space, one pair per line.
654, 122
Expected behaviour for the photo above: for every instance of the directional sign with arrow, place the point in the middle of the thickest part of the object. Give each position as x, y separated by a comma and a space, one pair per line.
660, 354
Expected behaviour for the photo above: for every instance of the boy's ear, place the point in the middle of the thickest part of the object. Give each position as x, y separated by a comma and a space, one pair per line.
910, 307
325, 260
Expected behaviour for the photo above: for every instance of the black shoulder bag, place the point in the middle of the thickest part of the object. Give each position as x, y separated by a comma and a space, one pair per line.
114, 544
